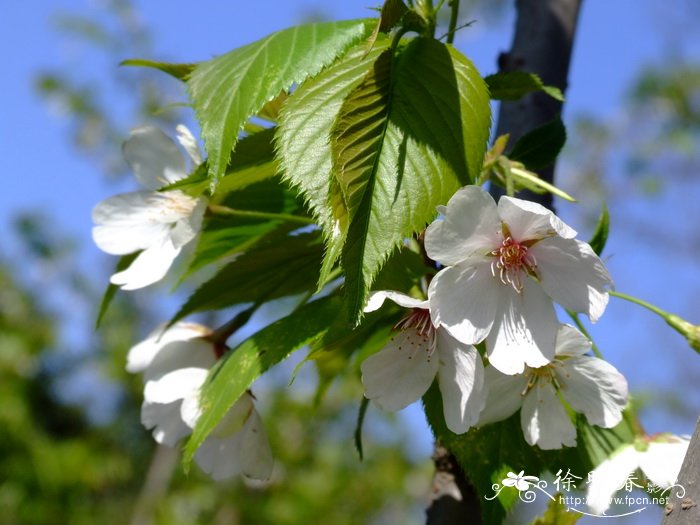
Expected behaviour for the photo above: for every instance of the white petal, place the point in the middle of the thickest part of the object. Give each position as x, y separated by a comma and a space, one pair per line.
141, 354
545, 420
220, 458
149, 267
175, 385
471, 226
189, 143
662, 462
609, 477
595, 388
571, 342
504, 395
129, 222
236, 417
247, 452
164, 419
573, 275
376, 300
528, 220
257, 461
193, 353
185, 229
524, 331
401, 373
461, 380
154, 158
464, 299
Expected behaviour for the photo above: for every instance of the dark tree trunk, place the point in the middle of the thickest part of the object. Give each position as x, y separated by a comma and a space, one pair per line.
542, 44
685, 510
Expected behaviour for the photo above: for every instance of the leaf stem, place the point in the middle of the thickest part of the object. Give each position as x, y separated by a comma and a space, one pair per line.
577, 321
454, 16
688, 330
217, 209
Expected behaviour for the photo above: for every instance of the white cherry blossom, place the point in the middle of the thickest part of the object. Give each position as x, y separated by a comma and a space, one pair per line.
589, 385
504, 264
405, 368
158, 224
175, 364
660, 459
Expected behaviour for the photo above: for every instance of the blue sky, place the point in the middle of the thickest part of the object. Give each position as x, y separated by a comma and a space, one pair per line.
42, 170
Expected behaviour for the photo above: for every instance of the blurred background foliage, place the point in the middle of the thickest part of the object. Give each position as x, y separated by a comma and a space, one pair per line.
72, 449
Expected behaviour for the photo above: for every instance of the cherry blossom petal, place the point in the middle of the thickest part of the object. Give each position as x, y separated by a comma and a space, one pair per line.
220, 458
376, 300
185, 229
528, 220
155, 159
461, 380
464, 300
257, 461
544, 419
662, 461
189, 143
595, 388
471, 226
573, 275
524, 331
193, 353
246, 451
141, 354
571, 342
504, 395
149, 267
164, 419
401, 373
175, 385
129, 222
609, 477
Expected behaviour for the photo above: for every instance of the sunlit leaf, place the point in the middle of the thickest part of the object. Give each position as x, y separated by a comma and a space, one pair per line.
235, 373
602, 229
179, 71
280, 265
227, 90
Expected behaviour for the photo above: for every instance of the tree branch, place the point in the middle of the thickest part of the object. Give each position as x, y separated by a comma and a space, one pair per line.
542, 44
685, 510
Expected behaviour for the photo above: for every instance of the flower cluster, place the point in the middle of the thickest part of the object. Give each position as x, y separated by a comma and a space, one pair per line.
503, 266
155, 224
175, 363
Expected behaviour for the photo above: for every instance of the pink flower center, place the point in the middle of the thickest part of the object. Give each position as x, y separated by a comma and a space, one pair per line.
419, 321
512, 259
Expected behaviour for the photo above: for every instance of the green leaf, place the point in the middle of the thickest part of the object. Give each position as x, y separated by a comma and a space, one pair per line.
303, 147
235, 373
396, 169
358, 426
123, 263
226, 235
253, 161
391, 14
539, 148
280, 265
229, 89
602, 229
516, 84
179, 71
